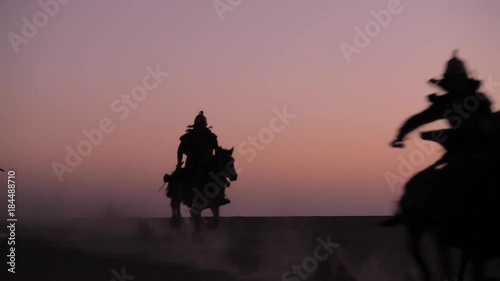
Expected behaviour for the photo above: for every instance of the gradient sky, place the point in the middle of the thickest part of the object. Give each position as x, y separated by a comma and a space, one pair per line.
329, 160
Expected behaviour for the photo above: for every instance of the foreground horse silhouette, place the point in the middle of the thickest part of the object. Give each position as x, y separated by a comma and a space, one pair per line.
459, 204
217, 175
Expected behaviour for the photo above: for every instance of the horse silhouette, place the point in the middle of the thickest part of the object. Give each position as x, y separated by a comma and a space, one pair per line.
456, 198
457, 201
218, 172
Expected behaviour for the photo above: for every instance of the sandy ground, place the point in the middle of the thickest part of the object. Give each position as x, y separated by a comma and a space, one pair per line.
240, 249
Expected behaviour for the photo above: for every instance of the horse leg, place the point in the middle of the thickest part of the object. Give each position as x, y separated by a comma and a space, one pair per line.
215, 218
172, 206
464, 259
478, 269
176, 215
414, 239
196, 216
445, 260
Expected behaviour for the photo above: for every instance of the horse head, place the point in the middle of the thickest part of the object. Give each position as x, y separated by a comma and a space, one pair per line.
225, 162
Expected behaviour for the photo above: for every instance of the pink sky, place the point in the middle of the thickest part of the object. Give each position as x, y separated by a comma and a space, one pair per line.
329, 160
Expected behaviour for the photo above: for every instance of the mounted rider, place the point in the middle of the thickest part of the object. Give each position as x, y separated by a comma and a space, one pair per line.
199, 144
459, 90
471, 156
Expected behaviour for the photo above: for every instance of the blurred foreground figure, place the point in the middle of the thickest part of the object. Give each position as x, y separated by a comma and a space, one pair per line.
457, 199
467, 110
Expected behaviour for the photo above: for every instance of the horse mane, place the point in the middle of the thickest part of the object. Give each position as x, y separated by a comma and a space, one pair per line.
220, 149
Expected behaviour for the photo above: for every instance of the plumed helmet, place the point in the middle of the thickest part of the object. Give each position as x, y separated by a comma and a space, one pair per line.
200, 120
455, 66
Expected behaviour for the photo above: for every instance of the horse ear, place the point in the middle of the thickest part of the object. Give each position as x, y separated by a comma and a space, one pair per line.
231, 150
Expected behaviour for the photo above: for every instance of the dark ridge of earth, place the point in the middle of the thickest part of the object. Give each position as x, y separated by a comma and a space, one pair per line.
242, 248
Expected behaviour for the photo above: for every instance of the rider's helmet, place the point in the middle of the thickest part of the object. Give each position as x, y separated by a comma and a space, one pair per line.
455, 78
200, 121
455, 67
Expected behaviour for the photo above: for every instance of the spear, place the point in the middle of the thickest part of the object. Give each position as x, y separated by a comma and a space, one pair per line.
162, 186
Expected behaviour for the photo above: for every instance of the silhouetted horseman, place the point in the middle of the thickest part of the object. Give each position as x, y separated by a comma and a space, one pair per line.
466, 109
198, 144
455, 199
